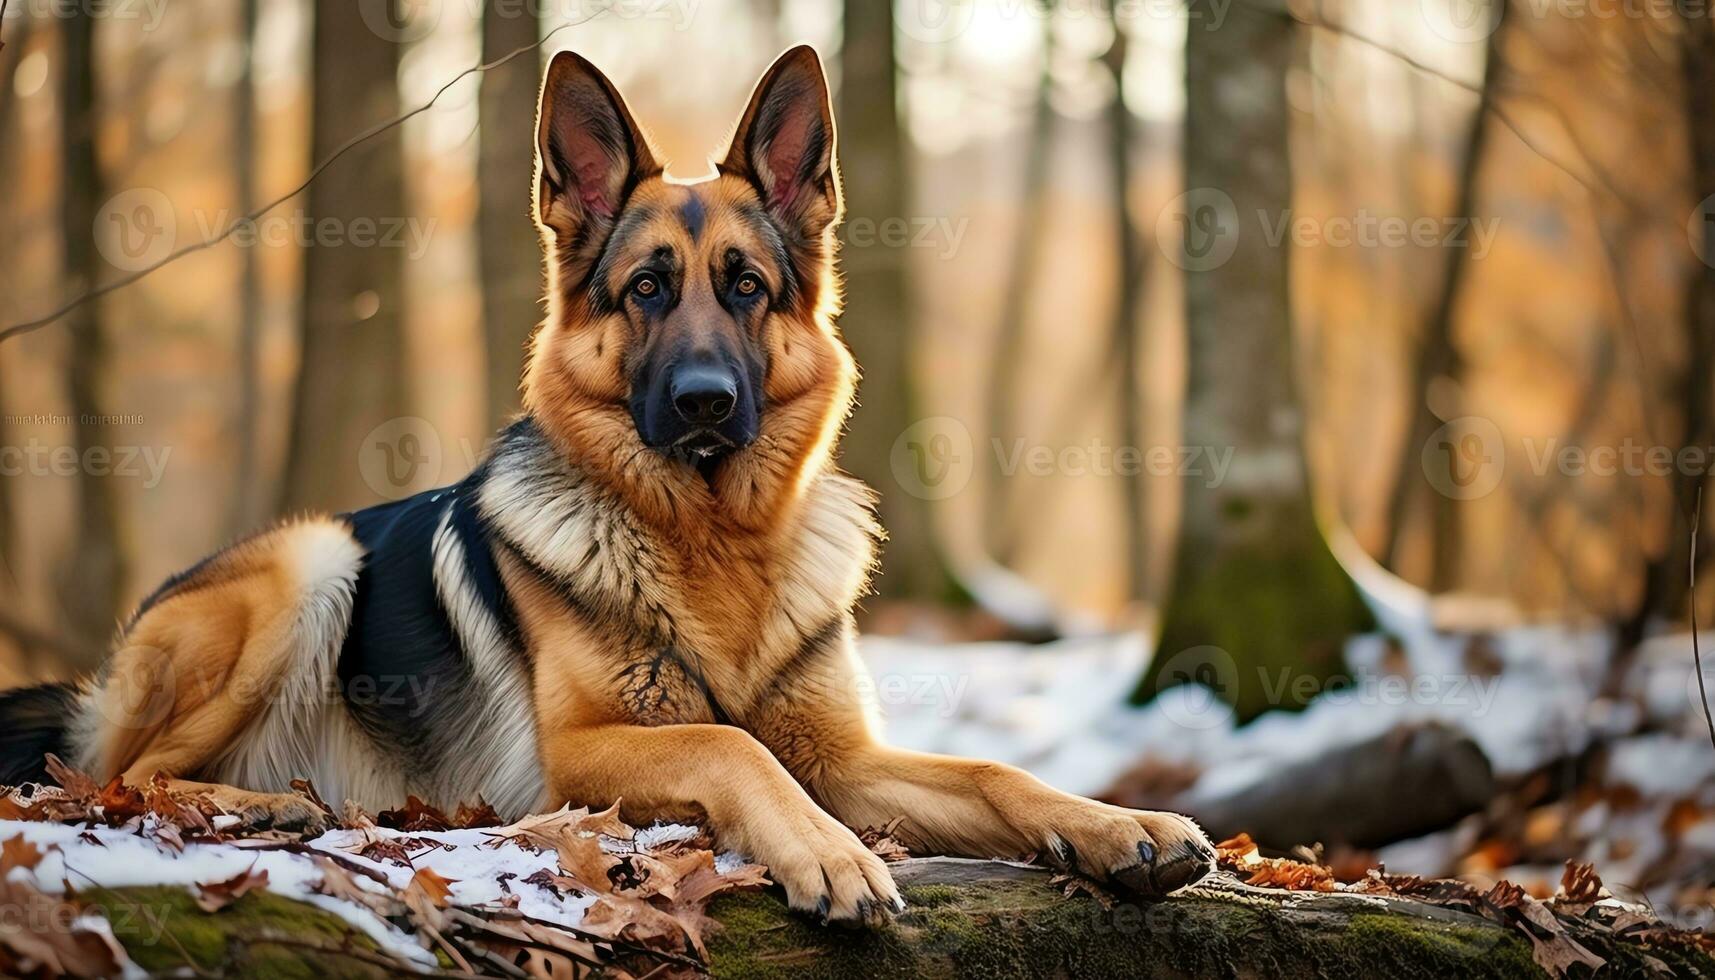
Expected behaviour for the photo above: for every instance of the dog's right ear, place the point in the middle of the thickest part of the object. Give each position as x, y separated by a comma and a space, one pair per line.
590, 153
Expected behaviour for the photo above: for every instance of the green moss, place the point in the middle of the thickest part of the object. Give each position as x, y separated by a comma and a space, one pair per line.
1021, 928
1001, 924
1281, 609
1426, 949
163, 930
929, 896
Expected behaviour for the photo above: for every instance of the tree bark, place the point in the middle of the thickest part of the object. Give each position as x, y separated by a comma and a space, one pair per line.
507, 247
246, 493
11, 163
964, 918
351, 377
1128, 304
1000, 500
1438, 356
1258, 601
92, 579
877, 318
1665, 592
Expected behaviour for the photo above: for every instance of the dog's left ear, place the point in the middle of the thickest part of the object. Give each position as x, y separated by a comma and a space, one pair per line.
784, 144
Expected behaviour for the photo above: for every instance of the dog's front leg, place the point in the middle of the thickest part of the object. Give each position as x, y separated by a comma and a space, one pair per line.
752, 803
986, 809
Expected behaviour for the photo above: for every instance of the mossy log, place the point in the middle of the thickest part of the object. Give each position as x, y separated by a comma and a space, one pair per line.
966, 919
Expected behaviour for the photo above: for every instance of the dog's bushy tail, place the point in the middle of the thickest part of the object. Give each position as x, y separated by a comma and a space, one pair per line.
34, 722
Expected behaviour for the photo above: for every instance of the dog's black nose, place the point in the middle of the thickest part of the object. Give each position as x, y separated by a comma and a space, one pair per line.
704, 395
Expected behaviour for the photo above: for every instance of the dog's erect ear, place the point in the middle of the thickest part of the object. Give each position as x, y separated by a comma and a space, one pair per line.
589, 151
785, 143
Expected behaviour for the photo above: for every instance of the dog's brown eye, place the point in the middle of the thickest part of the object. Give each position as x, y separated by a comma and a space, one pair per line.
646, 285
748, 284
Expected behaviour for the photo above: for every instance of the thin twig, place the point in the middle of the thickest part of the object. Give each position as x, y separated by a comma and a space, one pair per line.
1696, 653
1317, 22
231, 229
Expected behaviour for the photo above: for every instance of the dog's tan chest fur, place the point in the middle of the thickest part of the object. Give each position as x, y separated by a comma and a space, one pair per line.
647, 630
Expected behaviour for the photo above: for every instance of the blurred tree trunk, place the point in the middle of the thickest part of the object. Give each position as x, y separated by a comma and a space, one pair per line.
1128, 302
1665, 592
351, 377
507, 248
11, 165
1257, 598
246, 495
1438, 356
92, 580
877, 320
1001, 501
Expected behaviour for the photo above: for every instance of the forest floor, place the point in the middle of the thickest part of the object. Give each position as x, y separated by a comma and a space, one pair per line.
115, 880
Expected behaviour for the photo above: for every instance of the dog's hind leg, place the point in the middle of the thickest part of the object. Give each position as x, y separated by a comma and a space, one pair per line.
261, 811
229, 667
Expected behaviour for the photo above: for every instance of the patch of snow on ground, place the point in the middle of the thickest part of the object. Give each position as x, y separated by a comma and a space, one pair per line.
471, 859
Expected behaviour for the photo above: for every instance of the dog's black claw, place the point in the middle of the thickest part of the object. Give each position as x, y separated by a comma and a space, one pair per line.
1138, 878
1187, 865
823, 907
1146, 851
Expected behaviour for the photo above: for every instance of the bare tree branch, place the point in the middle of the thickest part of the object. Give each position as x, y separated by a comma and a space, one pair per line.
27, 326
1599, 186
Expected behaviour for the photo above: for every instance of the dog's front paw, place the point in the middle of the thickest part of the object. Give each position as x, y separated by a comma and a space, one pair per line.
829, 873
1151, 854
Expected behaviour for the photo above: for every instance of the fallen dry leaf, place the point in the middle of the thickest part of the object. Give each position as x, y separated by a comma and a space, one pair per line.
216, 895
74, 950
432, 887
545, 831
883, 844
73, 781
1291, 875
1579, 884
16, 852
1237, 853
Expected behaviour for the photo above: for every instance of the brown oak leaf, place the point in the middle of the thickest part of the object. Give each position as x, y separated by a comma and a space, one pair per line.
216, 895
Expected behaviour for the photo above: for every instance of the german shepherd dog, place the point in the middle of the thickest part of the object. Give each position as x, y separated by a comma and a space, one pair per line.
644, 591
